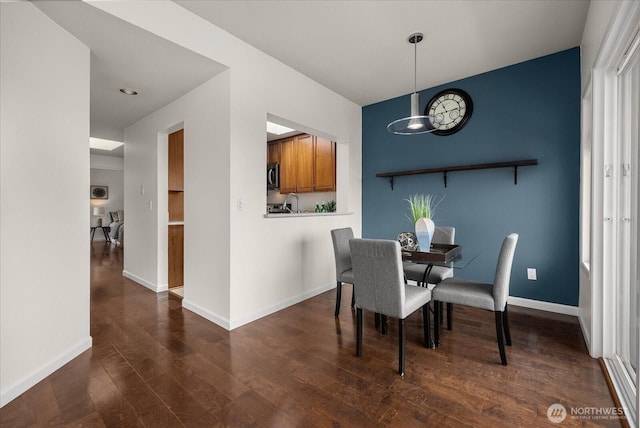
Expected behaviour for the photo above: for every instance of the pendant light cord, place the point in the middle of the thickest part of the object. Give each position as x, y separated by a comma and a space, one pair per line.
415, 67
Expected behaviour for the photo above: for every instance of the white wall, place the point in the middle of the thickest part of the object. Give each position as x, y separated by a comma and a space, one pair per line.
204, 114
112, 163
272, 262
44, 162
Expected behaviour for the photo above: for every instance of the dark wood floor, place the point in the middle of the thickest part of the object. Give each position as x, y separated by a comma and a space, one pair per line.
154, 364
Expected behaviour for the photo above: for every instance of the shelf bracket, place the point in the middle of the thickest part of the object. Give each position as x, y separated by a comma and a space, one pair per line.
391, 182
515, 175
444, 175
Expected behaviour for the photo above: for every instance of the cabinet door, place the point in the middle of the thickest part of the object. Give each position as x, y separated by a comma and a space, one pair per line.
176, 256
287, 166
273, 152
304, 163
176, 160
325, 165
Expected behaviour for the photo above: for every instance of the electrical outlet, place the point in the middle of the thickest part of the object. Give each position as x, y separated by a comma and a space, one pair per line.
240, 204
531, 274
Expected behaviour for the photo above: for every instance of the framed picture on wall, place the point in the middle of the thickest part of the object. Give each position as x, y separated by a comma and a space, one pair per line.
99, 192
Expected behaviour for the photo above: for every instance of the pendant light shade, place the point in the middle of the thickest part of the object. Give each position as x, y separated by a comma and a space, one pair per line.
416, 123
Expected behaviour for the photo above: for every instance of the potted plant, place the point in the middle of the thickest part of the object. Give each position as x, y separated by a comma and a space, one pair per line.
422, 210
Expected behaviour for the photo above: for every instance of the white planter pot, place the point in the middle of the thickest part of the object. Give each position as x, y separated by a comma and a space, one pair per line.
425, 227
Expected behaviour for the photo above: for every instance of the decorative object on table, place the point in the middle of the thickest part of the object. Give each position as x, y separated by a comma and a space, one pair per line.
98, 211
99, 192
422, 210
408, 241
453, 107
416, 123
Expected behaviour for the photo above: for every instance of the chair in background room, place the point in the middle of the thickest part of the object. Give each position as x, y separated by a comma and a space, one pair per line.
492, 297
379, 287
416, 271
342, 254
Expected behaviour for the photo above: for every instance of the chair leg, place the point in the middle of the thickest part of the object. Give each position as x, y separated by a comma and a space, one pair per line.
505, 324
436, 322
427, 328
359, 332
376, 320
449, 313
401, 347
383, 320
353, 297
503, 356
338, 297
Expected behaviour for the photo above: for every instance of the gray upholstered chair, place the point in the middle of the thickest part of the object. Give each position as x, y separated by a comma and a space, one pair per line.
492, 297
342, 254
379, 287
415, 271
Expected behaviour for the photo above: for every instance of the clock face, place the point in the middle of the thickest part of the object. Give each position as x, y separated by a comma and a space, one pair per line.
451, 110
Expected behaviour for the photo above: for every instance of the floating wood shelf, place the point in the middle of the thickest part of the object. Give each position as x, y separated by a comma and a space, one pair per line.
446, 169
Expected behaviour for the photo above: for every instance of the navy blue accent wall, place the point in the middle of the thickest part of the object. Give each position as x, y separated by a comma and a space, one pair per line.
529, 110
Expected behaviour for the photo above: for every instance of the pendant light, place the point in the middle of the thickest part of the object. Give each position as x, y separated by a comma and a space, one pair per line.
416, 123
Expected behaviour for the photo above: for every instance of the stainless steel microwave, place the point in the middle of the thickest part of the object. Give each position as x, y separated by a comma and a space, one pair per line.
273, 176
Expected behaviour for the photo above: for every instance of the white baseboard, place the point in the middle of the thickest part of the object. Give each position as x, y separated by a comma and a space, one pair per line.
544, 306
586, 335
20, 387
279, 306
230, 325
151, 286
204, 313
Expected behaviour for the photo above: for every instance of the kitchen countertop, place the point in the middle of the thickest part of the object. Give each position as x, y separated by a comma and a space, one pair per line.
309, 214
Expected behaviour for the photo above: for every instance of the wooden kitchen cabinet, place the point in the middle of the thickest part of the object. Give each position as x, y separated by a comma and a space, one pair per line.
324, 175
307, 164
304, 163
175, 202
287, 165
176, 256
273, 152
176, 160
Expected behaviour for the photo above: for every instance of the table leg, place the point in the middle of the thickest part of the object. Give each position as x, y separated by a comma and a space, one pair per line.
425, 276
93, 232
106, 235
436, 319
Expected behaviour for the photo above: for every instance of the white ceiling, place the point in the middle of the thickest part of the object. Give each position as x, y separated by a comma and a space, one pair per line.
358, 49
125, 56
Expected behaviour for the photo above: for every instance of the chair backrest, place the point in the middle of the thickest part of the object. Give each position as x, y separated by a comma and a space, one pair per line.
378, 276
341, 250
503, 271
444, 235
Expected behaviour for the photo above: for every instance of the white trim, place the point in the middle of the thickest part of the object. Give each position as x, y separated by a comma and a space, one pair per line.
233, 324
206, 314
585, 333
621, 382
156, 288
544, 306
22, 386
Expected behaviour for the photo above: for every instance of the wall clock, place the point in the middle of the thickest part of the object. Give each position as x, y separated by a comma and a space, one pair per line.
452, 109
